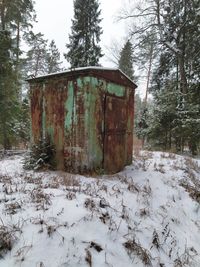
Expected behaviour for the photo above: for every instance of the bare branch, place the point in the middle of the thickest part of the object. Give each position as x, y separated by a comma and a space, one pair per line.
144, 29
135, 16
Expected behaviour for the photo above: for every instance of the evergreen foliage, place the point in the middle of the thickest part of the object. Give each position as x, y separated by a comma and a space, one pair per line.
126, 60
173, 122
83, 47
41, 59
36, 63
15, 20
22, 127
9, 105
53, 58
40, 156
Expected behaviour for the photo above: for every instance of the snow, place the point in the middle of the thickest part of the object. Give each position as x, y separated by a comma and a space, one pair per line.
73, 69
58, 219
79, 69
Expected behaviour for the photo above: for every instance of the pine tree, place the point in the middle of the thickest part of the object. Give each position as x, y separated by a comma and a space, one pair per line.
83, 47
126, 60
16, 17
174, 26
41, 59
9, 105
53, 58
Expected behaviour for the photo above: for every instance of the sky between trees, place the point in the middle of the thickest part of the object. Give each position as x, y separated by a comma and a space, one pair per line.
54, 21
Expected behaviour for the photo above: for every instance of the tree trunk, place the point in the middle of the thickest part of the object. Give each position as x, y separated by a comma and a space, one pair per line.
6, 141
148, 74
2, 15
18, 44
148, 82
183, 79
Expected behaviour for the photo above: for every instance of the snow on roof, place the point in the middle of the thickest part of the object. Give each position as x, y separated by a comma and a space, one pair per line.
72, 70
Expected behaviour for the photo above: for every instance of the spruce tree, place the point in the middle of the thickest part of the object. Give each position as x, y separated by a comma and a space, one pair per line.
126, 60
53, 58
83, 47
9, 105
36, 58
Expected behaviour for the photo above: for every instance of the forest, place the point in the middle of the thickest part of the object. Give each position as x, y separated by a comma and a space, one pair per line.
148, 213
161, 44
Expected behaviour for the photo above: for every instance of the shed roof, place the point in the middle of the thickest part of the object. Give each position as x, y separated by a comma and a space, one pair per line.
111, 74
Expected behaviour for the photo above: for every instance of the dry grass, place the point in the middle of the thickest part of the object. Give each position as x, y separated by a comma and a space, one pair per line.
5, 179
88, 257
137, 146
71, 195
22, 252
193, 191
147, 154
12, 208
192, 164
70, 180
155, 239
29, 178
186, 258
159, 167
96, 246
7, 239
192, 183
89, 204
41, 199
134, 248
168, 155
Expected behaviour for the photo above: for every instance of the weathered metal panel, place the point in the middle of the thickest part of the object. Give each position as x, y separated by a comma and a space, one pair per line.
115, 133
76, 137
36, 112
89, 120
112, 159
95, 121
55, 93
130, 126
110, 75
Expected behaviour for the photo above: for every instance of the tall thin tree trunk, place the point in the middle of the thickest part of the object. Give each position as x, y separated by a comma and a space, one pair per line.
18, 44
2, 15
17, 68
183, 78
149, 74
6, 141
148, 82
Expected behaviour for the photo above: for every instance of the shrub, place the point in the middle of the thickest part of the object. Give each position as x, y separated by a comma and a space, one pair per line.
40, 156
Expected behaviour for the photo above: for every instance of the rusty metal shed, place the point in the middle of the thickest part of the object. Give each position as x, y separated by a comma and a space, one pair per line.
88, 115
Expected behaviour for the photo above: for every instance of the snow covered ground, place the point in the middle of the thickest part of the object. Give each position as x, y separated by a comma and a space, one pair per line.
146, 215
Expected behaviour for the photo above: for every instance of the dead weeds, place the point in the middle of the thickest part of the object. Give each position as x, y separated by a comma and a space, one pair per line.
7, 239
12, 208
42, 200
193, 191
134, 248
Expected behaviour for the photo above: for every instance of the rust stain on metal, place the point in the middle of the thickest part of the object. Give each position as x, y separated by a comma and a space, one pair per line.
36, 113
115, 133
88, 116
54, 97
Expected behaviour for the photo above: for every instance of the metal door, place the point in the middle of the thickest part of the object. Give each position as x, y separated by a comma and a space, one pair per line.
115, 121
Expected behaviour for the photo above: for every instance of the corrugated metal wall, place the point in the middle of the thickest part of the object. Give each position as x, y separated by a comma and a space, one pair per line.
89, 120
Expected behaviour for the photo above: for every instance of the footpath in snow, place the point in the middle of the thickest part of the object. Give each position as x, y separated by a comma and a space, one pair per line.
146, 215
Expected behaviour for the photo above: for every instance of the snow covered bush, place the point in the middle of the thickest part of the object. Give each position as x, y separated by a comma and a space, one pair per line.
40, 156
